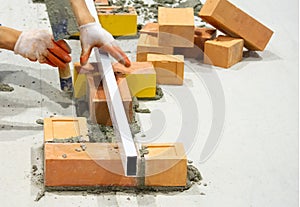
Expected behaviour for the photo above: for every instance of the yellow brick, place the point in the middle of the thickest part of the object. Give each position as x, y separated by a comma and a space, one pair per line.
118, 24
141, 79
79, 82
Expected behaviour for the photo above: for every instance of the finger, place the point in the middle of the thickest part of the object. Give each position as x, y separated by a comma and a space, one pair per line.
64, 45
85, 54
118, 67
56, 61
60, 53
49, 63
33, 60
88, 67
118, 54
125, 60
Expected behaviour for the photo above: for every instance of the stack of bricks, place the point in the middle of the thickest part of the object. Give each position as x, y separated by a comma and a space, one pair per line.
241, 29
158, 42
175, 34
71, 160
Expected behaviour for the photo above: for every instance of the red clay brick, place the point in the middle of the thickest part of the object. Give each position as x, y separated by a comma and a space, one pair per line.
65, 127
99, 165
98, 108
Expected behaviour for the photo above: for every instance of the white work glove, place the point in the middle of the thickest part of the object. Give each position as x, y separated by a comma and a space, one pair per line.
39, 45
93, 35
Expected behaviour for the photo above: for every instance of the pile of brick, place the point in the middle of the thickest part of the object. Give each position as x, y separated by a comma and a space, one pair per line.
72, 160
175, 34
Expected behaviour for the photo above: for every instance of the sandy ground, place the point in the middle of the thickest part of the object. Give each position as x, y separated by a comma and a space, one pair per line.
239, 126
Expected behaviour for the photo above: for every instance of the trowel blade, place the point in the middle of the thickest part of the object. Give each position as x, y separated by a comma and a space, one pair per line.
62, 19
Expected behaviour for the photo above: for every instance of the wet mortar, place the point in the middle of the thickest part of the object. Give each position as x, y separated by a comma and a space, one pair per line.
76, 139
5, 87
136, 106
40, 121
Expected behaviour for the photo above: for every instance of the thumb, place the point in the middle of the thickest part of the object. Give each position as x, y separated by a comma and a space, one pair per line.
85, 54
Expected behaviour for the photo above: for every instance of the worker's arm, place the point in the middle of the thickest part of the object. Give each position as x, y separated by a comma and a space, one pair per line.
93, 35
36, 45
8, 37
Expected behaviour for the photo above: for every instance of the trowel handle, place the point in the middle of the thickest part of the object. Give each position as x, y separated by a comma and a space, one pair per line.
65, 79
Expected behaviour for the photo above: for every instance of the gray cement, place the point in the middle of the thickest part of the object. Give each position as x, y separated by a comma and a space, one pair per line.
77, 139
5, 87
149, 11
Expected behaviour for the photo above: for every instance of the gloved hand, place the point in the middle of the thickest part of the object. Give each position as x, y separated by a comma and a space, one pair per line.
93, 35
39, 45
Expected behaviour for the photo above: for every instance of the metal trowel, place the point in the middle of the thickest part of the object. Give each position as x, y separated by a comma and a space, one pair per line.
64, 25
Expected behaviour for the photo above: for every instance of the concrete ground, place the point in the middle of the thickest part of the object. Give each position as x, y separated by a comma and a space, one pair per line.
239, 126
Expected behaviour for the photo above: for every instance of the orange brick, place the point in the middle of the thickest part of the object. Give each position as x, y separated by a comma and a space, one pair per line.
165, 165
150, 28
98, 108
232, 21
99, 165
148, 44
65, 127
189, 52
89, 68
176, 27
169, 68
141, 78
224, 51
201, 35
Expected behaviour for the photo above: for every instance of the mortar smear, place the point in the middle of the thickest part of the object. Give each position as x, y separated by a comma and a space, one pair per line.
5, 87
76, 139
